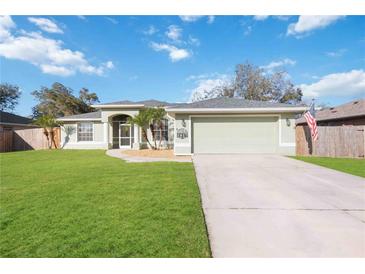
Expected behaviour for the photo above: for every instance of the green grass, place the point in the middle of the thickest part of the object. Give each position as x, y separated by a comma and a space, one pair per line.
85, 204
352, 166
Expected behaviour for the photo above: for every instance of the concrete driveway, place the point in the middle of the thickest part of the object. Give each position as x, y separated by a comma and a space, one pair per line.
274, 206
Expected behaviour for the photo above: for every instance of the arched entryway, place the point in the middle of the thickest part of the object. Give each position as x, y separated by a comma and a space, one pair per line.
123, 132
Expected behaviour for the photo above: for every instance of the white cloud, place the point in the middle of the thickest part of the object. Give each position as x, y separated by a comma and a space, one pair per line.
351, 83
308, 23
248, 30
112, 20
282, 17
47, 54
278, 64
109, 65
193, 41
174, 32
264, 17
194, 18
336, 53
211, 19
205, 84
260, 17
151, 30
82, 17
175, 54
190, 18
6, 24
45, 24
56, 70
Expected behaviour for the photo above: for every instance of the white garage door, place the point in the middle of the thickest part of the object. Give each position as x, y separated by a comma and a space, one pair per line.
234, 134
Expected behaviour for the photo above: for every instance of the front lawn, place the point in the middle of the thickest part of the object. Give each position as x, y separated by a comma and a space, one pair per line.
352, 166
64, 203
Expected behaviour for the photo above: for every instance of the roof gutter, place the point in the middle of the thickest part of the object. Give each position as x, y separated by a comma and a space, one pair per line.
17, 124
118, 106
237, 110
77, 119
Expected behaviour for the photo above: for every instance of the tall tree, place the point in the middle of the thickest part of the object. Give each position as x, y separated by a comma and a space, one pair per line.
59, 101
9, 96
254, 83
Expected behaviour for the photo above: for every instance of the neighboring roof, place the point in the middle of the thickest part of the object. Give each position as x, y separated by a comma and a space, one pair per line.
126, 103
96, 115
9, 118
224, 102
349, 110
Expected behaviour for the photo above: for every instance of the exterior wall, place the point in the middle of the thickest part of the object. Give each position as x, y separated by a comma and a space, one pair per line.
70, 141
164, 144
103, 132
106, 114
182, 143
106, 119
286, 133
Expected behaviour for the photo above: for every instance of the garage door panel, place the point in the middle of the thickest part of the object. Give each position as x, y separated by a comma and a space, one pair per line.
234, 134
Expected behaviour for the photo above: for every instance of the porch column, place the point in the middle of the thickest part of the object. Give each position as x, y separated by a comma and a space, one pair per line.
106, 133
136, 144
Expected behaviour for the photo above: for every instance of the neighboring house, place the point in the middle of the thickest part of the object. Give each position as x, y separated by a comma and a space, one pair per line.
352, 113
220, 125
9, 121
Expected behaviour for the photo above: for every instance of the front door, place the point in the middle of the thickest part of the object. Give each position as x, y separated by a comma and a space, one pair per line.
125, 137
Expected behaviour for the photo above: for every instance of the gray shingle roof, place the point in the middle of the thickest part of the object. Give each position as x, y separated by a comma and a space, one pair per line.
348, 110
6, 117
147, 103
224, 102
90, 115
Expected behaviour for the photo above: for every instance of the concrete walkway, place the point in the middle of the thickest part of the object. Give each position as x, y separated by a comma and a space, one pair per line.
274, 206
118, 153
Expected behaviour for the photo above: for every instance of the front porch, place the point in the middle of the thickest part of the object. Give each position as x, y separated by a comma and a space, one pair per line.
123, 135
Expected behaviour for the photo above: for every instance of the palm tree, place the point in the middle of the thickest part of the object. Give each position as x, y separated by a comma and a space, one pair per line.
158, 115
48, 123
142, 119
146, 119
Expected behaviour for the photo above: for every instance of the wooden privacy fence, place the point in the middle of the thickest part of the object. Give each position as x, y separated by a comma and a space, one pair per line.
28, 139
334, 141
6, 141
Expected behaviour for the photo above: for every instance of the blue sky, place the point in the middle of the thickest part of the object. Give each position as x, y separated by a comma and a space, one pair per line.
171, 57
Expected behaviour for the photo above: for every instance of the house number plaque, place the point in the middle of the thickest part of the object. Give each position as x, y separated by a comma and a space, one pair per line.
182, 133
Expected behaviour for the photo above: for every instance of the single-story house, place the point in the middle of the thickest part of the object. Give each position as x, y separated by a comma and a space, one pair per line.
219, 125
10, 121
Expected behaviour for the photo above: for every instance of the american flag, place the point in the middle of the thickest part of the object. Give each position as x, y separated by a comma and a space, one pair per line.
312, 123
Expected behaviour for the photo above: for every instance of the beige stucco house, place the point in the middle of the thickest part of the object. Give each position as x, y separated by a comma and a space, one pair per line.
219, 125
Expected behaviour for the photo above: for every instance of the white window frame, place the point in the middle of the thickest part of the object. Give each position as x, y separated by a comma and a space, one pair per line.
77, 132
165, 129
